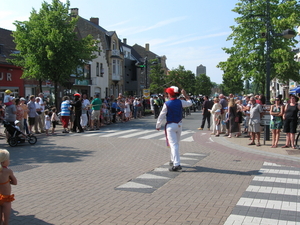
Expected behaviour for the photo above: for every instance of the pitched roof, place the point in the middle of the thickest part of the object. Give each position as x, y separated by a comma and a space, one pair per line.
143, 52
7, 46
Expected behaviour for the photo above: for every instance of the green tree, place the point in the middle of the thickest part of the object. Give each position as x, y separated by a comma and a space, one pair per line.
203, 85
157, 76
182, 78
247, 60
50, 49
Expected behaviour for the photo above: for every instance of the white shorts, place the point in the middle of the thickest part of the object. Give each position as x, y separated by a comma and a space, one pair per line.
95, 114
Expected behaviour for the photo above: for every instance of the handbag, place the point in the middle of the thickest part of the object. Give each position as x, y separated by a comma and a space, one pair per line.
237, 119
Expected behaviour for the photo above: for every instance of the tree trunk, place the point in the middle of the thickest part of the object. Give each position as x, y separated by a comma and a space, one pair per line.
55, 95
41, 84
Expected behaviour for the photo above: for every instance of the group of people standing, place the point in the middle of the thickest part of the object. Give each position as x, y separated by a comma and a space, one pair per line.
82, 114
228, 115
29, 113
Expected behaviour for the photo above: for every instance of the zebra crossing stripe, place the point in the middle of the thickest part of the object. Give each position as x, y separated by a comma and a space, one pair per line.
134, 185
157, 133
271, 198
135, 134
151, 176
188, 139
182, 133
156, 178
240, 220
118, 133
269, 204
277, 180
139, 133
272, 190
286, 172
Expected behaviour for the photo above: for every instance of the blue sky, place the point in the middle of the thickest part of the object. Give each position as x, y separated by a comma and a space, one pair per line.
188, 33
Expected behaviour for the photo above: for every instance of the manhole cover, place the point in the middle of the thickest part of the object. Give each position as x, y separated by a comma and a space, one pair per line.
293, 152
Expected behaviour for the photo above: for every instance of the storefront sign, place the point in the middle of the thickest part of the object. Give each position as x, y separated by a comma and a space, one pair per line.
146, 93
5, 76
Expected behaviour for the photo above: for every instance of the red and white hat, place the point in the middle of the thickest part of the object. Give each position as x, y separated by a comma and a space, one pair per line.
77, 94
172, 90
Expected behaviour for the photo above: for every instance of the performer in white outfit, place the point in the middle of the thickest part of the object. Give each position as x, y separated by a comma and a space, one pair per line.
172, 112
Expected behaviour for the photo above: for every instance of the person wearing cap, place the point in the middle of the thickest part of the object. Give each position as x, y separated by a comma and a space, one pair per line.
7, 98
78, 111
96, 106
10, 112
172, 112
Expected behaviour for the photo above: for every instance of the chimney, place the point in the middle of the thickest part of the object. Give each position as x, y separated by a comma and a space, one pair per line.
95, 20
125, 41
74, 12
147, 47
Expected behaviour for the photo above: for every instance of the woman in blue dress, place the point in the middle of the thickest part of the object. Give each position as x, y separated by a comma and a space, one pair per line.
276, 122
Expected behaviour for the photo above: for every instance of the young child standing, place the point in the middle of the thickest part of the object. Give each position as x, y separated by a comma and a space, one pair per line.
54, 119
6, 179
47, 122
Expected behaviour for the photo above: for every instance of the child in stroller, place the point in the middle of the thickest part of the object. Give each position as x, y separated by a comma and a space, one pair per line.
15, 136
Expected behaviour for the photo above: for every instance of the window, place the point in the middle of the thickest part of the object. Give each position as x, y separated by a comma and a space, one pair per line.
99, 51
97, 70
101, 70
114, 69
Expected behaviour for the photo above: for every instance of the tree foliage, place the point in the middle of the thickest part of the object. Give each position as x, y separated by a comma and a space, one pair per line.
247, 57
157, 76
182, 78
50, 49
203, 85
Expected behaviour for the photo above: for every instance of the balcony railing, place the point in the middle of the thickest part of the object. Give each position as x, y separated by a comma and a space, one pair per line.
116, 77
115, 52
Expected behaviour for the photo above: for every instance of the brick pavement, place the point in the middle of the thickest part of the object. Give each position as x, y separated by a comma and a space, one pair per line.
73, 180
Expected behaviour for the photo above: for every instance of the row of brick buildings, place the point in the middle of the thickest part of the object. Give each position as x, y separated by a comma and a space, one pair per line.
114, 70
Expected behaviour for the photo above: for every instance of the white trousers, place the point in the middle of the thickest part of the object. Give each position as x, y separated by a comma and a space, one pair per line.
173, 131
84, 120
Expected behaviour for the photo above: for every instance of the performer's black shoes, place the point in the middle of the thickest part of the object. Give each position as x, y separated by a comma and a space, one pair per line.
175, 168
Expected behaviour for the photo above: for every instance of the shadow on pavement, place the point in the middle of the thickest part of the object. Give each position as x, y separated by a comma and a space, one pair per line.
29, 219
213, 170
45, 152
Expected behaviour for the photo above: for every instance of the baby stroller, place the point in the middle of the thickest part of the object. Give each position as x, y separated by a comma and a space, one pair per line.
13, 135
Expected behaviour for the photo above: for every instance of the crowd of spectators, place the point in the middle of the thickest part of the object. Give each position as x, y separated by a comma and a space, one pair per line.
230, 113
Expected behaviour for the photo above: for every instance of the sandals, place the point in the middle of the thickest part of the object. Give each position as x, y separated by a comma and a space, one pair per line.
252, 143
285, 146
258, 144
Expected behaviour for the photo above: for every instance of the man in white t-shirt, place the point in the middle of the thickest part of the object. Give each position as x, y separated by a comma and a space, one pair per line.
85, 106
39, 121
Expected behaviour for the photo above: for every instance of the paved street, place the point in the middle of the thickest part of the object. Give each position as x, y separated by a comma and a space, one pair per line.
119, 175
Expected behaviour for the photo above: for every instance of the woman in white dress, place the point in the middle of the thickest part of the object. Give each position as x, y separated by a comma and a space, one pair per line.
127, 109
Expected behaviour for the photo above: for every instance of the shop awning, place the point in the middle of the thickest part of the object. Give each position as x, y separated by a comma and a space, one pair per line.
295, 90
